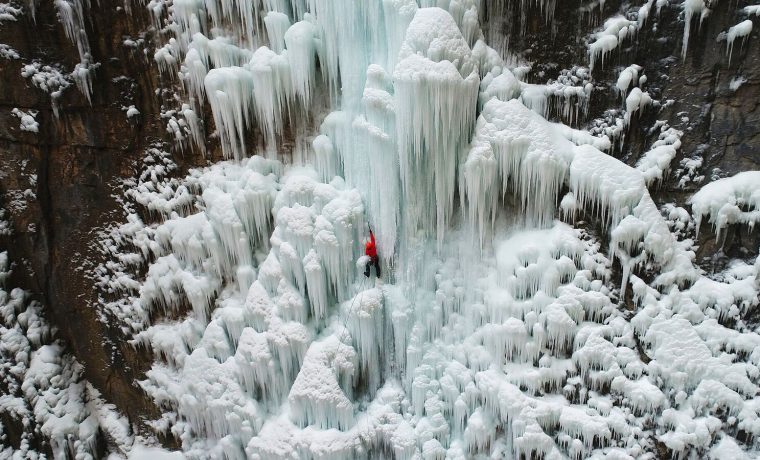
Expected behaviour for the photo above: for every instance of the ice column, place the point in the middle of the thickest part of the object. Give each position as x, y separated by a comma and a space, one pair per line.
436, 87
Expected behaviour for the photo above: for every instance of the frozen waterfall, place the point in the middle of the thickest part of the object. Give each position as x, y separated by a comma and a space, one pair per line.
501, 327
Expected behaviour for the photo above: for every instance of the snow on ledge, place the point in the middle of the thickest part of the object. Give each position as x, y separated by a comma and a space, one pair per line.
154, 453
729, 201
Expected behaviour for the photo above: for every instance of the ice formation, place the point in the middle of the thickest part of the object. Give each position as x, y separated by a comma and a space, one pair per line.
732, 200
435, 86
740, 31
655, 162
693, 9
615, 31
503, 327
43, 386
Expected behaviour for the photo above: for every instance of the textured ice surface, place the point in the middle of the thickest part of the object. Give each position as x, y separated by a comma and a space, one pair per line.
497, 330
729, 201
43, 386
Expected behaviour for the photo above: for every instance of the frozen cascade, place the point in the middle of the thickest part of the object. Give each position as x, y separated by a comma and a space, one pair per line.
230, 95
354, 147
436, 84
513, 145
317, 397
365, 323
495, 331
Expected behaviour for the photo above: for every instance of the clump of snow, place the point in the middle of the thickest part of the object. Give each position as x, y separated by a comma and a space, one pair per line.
616, 31
8, 12
654, 163
732, 200
27, 119
6, 52
736, 83
752, 9
727, 447
47, 78
131, 111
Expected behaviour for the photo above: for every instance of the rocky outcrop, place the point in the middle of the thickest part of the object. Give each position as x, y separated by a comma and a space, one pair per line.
58, 183
714, 102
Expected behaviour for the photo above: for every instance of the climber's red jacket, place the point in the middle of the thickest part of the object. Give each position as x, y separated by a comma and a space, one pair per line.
370, 249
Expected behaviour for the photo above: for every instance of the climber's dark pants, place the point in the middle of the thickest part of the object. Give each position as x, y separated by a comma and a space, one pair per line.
373, 261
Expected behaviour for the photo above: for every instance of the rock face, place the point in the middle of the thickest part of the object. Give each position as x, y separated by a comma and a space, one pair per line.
59, 185
69, 169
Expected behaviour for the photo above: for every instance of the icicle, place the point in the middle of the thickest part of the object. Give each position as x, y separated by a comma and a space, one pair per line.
636, 101
365, 323
435, 103
480, 187
398, 15
328, 163
215, 342
166, 279
608, 185
166, 58
272, 90
691, 7
317, 282
300, 42
291, 306
215, 382
277, 25
741, 30
720, 201
230, 95
194, 124
258, 306
525, 157
627, 78
82, 75
292, 269
71, 15
224, 219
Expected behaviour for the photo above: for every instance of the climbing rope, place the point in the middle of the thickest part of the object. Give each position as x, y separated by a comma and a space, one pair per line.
361, 289
350, 309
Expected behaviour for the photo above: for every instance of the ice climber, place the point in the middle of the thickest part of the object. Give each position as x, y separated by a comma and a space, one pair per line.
371, 251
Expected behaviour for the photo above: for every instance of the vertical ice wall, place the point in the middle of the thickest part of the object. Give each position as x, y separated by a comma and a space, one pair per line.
436, 85
521, 349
